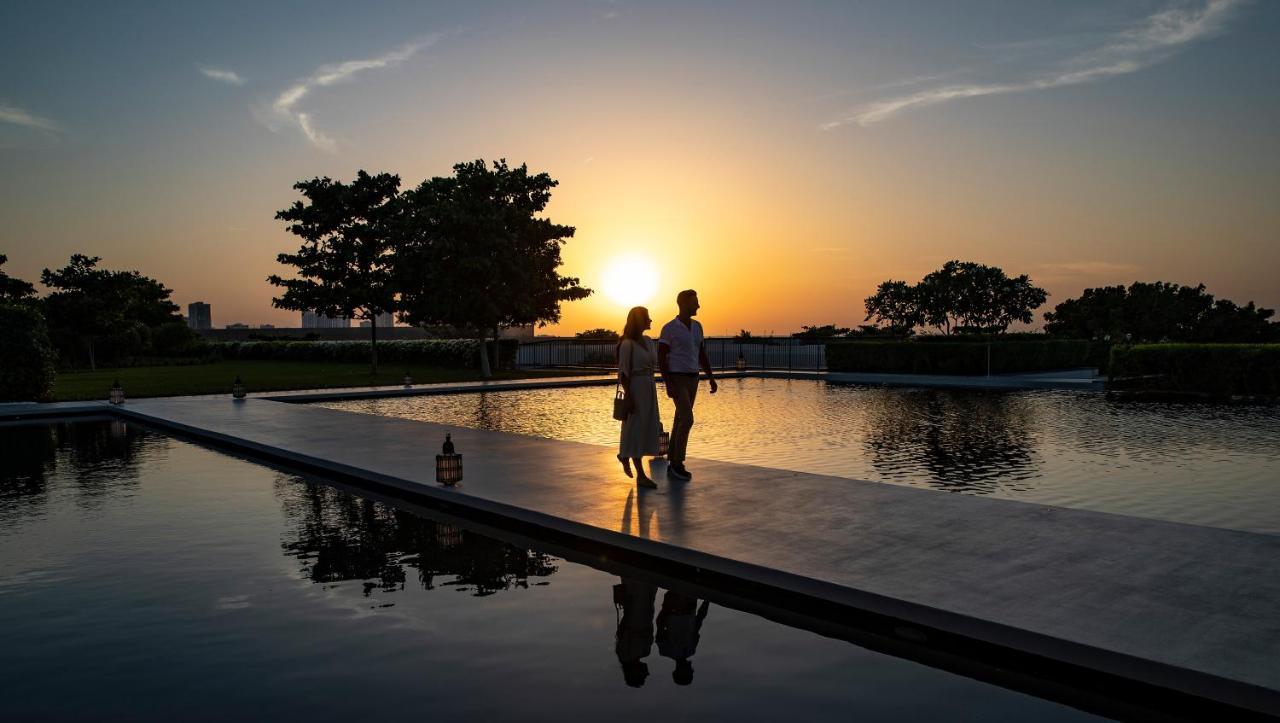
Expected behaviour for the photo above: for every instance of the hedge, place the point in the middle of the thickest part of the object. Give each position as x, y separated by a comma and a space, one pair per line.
26, 357
961, 357
461, 353
1214, 369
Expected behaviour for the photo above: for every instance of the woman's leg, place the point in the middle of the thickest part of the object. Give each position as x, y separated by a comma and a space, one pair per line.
642, 479
626, 465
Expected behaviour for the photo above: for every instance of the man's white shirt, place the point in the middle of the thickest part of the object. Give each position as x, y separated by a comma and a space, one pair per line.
683, 345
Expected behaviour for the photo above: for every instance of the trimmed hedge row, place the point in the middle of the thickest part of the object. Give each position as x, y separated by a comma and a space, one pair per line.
461, 353
26, 358
962, 358
1214, 369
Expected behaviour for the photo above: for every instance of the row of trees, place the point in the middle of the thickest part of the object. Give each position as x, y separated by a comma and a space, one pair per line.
1160, 311
468, 251
93, 312
962, 296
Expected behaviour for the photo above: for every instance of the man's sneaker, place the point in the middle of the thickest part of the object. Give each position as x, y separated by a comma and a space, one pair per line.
678, 471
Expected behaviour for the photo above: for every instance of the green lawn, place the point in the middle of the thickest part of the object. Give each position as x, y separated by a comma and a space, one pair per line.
258, 376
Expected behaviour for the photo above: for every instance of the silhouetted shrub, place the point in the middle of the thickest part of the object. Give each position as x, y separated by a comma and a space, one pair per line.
956, 357
463, 353
26, 358
1215, 369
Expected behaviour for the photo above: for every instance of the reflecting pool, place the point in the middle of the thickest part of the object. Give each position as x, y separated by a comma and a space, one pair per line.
1197, 463
147, 578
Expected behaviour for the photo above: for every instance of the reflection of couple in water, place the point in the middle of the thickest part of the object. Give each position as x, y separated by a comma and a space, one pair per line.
679, 624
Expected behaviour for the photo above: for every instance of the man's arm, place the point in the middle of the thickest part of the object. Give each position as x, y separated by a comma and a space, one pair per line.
664, 350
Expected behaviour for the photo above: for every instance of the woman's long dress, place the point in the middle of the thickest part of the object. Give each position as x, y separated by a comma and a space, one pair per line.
640, 430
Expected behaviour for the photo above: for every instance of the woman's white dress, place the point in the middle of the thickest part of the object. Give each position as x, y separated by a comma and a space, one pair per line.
640, 431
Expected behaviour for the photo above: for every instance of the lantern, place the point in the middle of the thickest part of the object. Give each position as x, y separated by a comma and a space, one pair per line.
448, 536
408, 380
448, 464
237, 389
116, 395
664, 440
741, 364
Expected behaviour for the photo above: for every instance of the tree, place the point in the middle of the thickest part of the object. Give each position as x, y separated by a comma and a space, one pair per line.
476, 255
89, 304
896, 305
345, 261
826, 331
600, 334
1160, 311
962, 296
13, 289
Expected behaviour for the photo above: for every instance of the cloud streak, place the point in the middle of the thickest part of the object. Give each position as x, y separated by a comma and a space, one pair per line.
284, 108
221, 75
1157, 38
14, 115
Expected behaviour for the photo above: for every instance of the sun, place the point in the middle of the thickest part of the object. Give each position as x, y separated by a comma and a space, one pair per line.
630, 280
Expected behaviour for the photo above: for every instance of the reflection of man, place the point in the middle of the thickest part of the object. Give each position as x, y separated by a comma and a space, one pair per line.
681, 353
679, 626
634, 637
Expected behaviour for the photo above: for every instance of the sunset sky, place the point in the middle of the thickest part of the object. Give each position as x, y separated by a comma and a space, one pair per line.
782, 158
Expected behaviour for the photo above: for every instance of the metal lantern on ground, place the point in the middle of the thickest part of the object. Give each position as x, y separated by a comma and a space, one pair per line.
408, 380
448, 464
741, 364
116, 395
237, 388
664, 441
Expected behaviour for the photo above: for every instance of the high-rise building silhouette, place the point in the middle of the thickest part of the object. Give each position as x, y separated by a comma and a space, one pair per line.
199, 315
312, 320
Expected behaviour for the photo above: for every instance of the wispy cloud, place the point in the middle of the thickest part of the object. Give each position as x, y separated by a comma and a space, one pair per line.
222, 75
1157, 38
20, 117
285, 106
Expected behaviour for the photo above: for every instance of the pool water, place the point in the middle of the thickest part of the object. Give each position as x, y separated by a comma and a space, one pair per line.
1203, 464
147, 578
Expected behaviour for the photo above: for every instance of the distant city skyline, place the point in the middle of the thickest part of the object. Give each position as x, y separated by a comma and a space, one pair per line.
783, 159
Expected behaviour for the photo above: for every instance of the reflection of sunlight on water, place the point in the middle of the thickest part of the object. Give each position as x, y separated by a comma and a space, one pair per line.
1204, 464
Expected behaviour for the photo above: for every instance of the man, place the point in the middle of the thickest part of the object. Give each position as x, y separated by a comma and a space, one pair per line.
681, 353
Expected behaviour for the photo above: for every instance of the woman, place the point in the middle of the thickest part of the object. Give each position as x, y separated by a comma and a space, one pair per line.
636, 360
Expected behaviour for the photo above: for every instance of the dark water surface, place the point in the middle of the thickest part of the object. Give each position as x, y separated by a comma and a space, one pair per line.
1197, 463
146, 578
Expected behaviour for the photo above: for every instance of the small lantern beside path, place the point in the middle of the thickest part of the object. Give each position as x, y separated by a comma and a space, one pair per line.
237, 389
741, 364
116, 395
664, 441
408, 380
448, 464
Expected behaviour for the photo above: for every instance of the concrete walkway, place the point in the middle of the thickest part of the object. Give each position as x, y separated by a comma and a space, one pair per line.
1185, 608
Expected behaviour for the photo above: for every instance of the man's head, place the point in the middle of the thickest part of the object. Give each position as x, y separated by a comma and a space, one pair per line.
687, 300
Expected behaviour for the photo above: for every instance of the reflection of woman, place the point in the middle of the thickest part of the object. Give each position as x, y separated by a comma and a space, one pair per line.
636, 359
634, 637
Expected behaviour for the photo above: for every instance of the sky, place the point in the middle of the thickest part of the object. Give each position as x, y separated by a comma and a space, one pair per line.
781, 158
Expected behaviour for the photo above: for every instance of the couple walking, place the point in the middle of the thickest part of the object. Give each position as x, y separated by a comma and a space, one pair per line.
679, 354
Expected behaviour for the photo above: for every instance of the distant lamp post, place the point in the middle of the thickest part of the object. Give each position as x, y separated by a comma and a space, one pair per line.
448, 464
664, 443
116, 395
237, 389
408, 380
741, 364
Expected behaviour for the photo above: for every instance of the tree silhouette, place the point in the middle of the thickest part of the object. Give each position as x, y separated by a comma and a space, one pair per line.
476, 255
345, 261
13, 289
1160, 311
960, 296
89, 304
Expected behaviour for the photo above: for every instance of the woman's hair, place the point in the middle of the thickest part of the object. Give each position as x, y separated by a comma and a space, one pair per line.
634, 329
